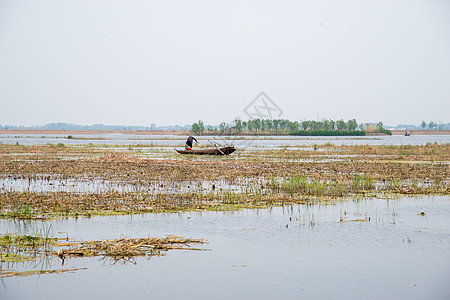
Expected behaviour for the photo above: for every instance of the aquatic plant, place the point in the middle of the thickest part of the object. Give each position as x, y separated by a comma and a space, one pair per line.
18, 248
43, 181
299, 184
362, 182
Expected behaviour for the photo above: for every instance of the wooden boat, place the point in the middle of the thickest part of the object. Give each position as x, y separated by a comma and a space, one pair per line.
217, 151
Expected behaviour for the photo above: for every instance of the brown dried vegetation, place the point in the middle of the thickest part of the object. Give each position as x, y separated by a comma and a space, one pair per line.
248, 179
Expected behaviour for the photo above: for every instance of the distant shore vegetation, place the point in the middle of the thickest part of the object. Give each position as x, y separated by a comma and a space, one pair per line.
279, 127
325, 127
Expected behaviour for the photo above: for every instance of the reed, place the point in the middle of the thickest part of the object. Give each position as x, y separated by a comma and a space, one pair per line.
20, 248
93, 180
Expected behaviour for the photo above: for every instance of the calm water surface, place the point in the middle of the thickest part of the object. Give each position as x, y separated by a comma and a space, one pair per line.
238, 141
298, 252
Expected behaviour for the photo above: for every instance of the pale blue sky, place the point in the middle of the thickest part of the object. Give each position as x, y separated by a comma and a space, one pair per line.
175, 62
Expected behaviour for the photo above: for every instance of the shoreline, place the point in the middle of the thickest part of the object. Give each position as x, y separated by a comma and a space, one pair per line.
421, 132
187, 132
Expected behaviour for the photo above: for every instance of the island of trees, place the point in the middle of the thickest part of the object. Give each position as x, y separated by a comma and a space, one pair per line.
325, 127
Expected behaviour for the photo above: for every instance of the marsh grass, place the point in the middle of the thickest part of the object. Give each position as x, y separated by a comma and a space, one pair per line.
16, 248
21, 248
362, 182
299, 184
112, 180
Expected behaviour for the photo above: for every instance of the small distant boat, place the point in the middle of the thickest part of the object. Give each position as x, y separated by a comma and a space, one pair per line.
218, 151
407, 133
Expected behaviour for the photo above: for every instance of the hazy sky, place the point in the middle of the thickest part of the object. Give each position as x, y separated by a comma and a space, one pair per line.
176, 62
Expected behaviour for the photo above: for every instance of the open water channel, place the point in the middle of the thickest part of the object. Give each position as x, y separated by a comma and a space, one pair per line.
238, 141
320, 251
397, 248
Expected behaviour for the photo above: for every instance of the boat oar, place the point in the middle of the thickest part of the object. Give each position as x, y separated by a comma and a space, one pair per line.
215, 145
220, 151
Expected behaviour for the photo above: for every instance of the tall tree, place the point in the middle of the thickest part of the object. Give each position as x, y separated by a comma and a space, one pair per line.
211, 128
305, 125
251, 125
351, 125
268, 125
257, 123
341, 125
224, 128
294, 126
195, 128
238, 125
424, 124
201, 127
276, 124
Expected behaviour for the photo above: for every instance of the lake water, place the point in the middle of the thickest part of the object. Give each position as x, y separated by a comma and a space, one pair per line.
322, 251
239, 141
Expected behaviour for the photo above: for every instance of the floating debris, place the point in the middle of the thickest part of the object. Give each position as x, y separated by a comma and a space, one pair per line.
21, 248
126, 248
5, 274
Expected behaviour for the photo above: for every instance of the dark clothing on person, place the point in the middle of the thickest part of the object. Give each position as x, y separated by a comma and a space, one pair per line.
189, 141
191, 138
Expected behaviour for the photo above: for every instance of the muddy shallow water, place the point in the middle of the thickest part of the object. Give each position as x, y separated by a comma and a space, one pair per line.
354, 249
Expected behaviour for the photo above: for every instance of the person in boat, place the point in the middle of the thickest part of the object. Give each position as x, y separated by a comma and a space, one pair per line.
189, 141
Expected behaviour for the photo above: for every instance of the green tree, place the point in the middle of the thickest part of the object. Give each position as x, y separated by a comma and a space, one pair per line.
294, 126
352, 125
211, 128
327, 125
341, 125
224, 128
276, 124
315, 126
284, 125
268, 125
251, 125
257, 123
305, 125
238, 125
424, 125
201, 127
195, 128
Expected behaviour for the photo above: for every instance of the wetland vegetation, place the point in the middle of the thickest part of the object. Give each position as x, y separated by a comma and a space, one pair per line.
40, 247
61, 181
46, 181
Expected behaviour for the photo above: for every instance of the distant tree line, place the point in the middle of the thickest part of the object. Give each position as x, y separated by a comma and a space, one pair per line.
432, 126
283, 126
67, 126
